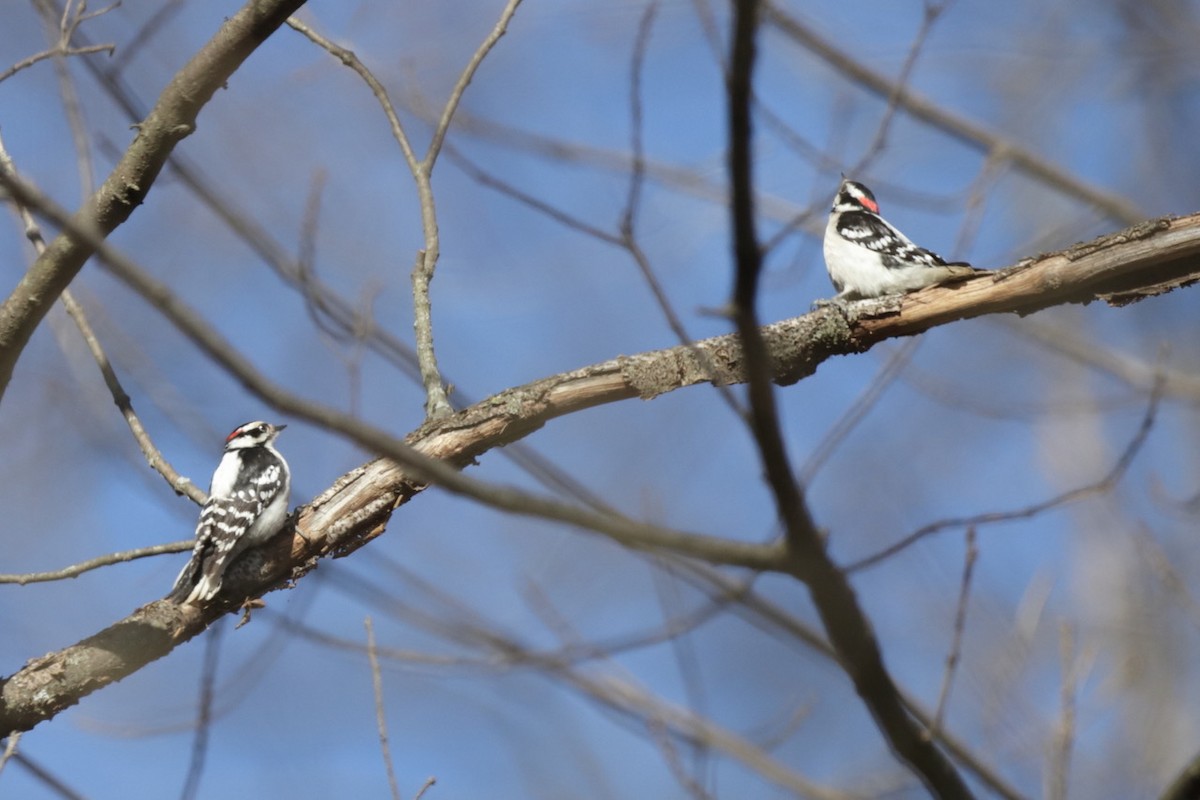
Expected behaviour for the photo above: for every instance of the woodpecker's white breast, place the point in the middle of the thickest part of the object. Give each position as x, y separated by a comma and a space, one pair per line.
226, 474
854, 269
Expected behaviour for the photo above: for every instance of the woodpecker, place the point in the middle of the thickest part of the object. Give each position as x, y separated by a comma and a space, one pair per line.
247, 505
867, 257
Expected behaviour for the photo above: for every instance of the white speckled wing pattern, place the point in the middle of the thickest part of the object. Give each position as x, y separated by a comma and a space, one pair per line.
868, 257
247, 505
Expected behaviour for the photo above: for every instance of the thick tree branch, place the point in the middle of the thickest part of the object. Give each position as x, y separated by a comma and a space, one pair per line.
1144, 260
171, 120
846, 623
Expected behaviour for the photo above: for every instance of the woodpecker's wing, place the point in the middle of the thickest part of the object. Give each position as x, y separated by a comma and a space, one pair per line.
895, 249
221, 534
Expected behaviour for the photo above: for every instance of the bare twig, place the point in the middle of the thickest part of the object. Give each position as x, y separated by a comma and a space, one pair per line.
625, 696
1059, 757
972, 134
165, 12
437, 403
491, 181
366, 497
75, 570
337, 314
688, 666
857, 410
769, 617
845, 621
204, 716
10, 748
683, 178
637, 178
429, 782
172, 119
51, 781
73, 14
928, 19
637, 175
960, 625
55, 52
498, 30
380, 713
795, 354
179, 484
1105, 484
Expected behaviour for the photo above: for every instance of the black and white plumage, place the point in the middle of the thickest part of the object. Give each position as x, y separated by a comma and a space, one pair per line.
867, 257
247, 505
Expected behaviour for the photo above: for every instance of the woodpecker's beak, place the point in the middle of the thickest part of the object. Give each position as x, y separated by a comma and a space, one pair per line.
279, 427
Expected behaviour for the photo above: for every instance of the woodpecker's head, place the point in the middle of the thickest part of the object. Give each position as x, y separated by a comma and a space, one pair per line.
252, 434
854, 196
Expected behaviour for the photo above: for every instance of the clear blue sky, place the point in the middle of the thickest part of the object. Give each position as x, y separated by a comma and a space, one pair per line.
984, 418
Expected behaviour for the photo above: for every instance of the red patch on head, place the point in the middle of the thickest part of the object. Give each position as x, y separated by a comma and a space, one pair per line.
870, 204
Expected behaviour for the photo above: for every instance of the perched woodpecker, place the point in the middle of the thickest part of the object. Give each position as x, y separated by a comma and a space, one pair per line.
867, 257
247, 505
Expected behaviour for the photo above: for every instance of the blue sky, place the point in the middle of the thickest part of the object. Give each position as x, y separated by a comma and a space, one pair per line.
985, 418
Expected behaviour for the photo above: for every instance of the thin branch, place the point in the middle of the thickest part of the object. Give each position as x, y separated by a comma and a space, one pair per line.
351, 60
10, 748
173, 119
1059, 757
683, 178
928, 19
627, 698
70, 19
380, 713
637, 178
845, 622
439, 133
429, 782
771, 618
166, 11
355, 510
499, 185
1131, 370
637, 175
687, 664
857, 411
75, 570
437, 403
960, 625
204, 717
1105, 484
178, 483
51, 781
55, 52
972, 134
